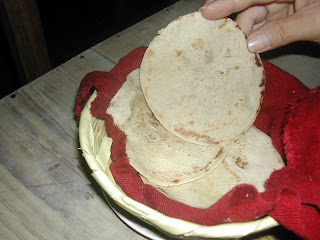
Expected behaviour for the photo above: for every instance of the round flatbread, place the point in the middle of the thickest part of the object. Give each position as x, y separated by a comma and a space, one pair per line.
200, 80
153, 151
251, 159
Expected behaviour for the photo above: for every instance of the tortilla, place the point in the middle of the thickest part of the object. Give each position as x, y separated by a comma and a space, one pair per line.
201, 82
251, 159
154, 152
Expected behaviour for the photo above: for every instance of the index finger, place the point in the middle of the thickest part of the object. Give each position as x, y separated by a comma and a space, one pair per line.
217, 9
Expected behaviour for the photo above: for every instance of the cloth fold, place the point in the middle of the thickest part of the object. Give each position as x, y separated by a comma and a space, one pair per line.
290, 114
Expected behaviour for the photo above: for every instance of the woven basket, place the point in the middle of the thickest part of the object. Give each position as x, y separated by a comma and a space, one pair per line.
96, 145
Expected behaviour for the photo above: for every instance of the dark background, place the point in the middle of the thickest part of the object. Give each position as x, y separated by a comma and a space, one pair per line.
71, 27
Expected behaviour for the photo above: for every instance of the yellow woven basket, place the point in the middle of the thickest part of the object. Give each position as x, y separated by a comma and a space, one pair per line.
96, 145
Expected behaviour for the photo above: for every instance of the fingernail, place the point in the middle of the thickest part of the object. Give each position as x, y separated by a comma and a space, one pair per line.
258, 42
203, 7
206, 5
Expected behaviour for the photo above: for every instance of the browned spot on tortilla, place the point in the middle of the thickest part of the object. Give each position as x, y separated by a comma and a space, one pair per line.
258, 60
146, 91
229, 113
219, 153
229, 170
237, 26
152, 117
279, 160
221, 72
179, 52
196, 169
240, 99
178, 19
154, 123
258, 110
192, 134
222, 25
261, 99
240, 163
198, 44
176, 181
179, 68
191, 122
236, 104
244, 34
208, 164
228, 53
149, 55
229, 69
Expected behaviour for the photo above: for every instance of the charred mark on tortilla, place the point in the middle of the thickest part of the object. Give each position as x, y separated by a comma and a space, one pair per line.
178, 53
198, 44
263, 82
258, 61
219, 153
223, 24
178, 19
206, 167
199, 137
240, 163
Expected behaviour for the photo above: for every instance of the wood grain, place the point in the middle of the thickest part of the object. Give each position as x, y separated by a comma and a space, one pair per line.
46, 191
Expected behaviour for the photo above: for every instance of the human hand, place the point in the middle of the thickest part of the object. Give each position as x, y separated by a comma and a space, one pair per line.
270, 23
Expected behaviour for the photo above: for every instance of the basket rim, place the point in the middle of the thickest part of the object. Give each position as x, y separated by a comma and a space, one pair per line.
166, 224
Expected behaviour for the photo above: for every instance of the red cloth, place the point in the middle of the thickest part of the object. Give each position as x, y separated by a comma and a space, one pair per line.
290, 114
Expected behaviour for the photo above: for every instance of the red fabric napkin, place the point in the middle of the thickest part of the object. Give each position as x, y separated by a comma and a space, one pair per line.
290, 114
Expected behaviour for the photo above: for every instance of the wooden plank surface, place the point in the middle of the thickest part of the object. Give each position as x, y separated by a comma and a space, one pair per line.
46, 191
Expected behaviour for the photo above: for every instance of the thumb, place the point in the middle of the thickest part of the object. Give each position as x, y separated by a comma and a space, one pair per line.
276, 33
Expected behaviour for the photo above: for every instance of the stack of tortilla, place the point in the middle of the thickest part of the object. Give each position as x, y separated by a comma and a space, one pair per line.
188, 112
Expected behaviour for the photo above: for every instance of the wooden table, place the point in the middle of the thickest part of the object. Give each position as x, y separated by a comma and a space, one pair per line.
46, 191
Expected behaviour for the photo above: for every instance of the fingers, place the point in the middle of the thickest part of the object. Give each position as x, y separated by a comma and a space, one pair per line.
250, 17
216, 9
303, 25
